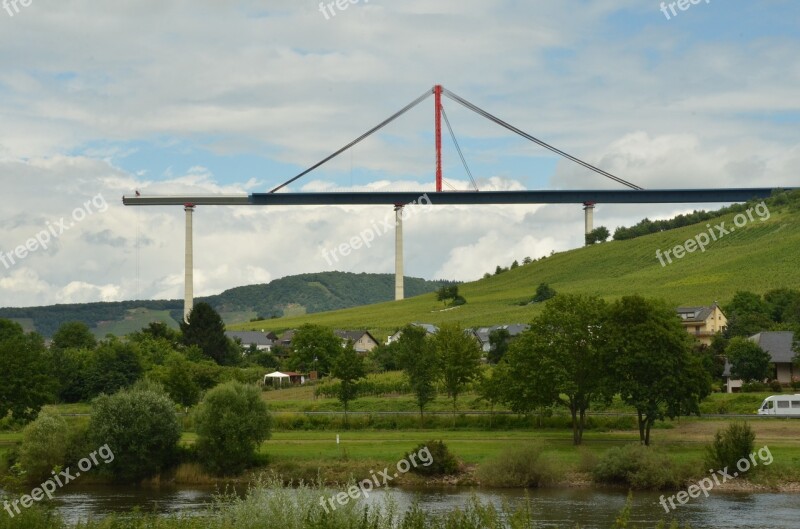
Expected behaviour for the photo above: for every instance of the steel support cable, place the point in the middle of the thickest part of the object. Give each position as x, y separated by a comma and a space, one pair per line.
373, 130
537, 141
458, 148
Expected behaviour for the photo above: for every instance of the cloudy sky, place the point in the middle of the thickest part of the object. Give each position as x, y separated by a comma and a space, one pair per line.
98, 99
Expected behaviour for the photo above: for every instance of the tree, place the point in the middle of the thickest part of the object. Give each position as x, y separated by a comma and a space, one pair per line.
498, 345
261, 357
543, 293
565, 348
420, 364
348, 367
449, 293
113, 366
314, 345
783, 305
649, 362
386, 357
522, 361
74, 335
206, 330
179, 383
491, 388
515, 264
72, 369
748, 361
527, 261
44, 445
231, 422
140, 427
598, 235
747, 314
27, 381
460, 357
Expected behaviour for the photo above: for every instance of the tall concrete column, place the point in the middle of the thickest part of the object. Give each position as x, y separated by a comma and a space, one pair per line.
588, 207
399, 289
188, 294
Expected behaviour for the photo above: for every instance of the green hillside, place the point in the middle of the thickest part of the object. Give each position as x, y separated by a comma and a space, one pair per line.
759, 256
300, 294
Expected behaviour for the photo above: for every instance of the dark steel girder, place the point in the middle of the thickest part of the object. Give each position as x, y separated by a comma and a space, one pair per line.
645, 196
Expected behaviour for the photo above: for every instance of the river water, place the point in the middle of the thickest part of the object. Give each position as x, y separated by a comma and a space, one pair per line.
552, 507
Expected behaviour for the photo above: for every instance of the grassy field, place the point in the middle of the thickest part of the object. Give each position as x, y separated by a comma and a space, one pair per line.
759, 256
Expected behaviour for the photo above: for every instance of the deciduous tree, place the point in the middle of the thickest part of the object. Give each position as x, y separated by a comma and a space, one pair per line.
649, 361
348, 367
460, 357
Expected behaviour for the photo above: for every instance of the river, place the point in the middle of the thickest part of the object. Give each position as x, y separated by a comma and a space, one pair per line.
590, 508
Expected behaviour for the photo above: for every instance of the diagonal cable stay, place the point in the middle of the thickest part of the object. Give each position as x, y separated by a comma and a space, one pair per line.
373, 130
458, 148
537, 141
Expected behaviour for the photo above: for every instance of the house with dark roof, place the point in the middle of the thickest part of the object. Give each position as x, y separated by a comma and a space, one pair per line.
779, 345
483, 333
429, 329
703, 322
363, 341
262, 341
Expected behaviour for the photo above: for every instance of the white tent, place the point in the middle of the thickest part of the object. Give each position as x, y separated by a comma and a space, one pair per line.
276, 375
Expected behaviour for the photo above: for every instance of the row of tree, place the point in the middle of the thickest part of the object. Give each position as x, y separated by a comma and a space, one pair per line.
581, 350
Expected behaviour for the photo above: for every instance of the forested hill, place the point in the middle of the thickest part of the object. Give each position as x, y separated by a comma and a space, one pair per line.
292, 295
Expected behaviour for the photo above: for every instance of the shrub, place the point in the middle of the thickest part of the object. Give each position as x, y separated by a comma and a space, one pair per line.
231, 421
444, 462
729, 446
754, 387
44, 443
638, 467
517, 467
775, 386
141, 429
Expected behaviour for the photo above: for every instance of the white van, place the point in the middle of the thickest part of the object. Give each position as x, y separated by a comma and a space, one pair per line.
783, 405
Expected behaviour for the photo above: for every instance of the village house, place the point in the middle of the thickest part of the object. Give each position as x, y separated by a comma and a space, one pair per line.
262, 341
779, 345
363, 341
703, 322
483, 333
429, 329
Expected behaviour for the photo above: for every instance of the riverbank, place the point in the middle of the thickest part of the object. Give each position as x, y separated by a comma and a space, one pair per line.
315, 456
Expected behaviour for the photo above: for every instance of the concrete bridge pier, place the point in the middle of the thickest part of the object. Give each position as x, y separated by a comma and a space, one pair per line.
188, 289
588, 208
399, 288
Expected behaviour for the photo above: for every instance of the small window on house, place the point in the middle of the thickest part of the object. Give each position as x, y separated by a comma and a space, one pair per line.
783, 403
796, 404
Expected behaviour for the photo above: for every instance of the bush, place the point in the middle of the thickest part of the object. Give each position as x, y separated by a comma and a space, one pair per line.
638, 467
444, 462
44, 443
754, 387
231, 422
141, 429
775, 386
729, 446
518, 467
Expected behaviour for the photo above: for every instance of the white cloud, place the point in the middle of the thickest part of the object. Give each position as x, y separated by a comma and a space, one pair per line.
84, 85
